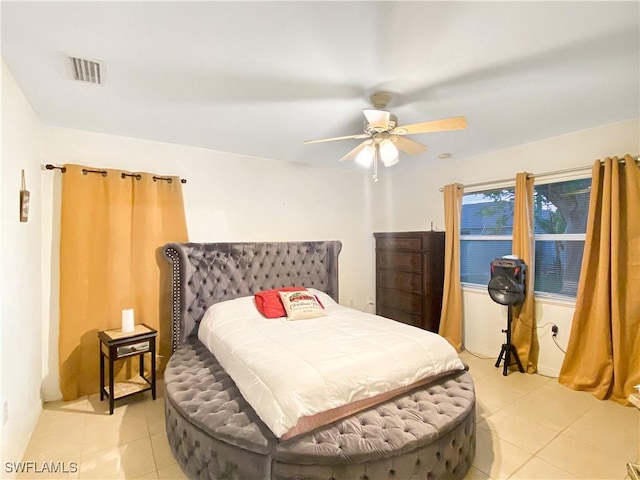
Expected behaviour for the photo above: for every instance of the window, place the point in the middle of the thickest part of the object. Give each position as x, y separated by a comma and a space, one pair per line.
486, 232
560, 215
560, 212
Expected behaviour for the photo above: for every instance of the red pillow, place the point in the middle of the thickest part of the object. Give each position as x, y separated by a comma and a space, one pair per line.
270, 304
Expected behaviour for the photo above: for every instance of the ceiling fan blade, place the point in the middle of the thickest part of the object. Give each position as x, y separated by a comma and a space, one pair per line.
454, 123
347, 137
354, 153
377, 118
409, 146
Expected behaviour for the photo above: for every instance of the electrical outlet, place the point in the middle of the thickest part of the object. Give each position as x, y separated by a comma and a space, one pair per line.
554, 330
5, 413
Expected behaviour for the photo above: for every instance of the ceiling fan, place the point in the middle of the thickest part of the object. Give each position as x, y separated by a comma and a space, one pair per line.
385, 138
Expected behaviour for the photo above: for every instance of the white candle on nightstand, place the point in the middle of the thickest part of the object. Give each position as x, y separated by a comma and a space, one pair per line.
127, 320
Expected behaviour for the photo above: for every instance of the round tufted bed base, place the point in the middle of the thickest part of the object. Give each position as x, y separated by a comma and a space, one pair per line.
214, 433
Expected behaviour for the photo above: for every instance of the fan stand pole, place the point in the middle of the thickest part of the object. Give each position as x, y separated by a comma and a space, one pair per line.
508, 349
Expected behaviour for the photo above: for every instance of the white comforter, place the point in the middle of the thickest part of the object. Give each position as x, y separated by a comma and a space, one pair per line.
290, 369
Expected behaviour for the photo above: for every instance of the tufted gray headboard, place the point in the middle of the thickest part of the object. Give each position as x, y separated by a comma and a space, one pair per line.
206, 273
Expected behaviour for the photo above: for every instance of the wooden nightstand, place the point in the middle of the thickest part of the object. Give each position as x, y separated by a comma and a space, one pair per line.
116, 344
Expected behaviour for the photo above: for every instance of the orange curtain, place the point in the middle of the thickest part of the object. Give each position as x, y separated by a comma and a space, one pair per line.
603, 355
451, 316
523, 327
111, 228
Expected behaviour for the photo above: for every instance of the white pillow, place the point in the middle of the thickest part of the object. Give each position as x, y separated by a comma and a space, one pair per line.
324, 299
301, 305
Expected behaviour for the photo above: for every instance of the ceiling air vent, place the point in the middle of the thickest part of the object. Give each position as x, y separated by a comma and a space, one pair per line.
89, 71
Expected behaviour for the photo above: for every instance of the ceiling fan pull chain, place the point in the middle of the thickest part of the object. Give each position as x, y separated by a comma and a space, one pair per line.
375, 163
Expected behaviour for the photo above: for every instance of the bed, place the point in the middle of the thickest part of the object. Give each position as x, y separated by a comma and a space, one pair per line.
427, 432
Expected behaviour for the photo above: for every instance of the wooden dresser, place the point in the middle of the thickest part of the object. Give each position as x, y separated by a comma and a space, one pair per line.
409, 277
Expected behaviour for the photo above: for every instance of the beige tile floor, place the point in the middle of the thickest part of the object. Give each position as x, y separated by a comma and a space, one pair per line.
529, 427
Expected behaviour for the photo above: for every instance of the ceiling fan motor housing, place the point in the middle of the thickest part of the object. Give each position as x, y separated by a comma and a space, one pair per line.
369, 130
380, 100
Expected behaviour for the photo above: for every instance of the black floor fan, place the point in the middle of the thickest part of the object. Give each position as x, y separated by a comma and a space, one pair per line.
506, 287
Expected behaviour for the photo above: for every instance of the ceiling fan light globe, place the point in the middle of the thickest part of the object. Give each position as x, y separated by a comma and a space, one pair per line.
390, 163
365, 157
388, 153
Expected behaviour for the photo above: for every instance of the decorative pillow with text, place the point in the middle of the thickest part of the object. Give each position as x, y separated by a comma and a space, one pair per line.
301, 305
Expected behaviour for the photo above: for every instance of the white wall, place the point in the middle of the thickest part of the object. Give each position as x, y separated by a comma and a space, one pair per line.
413, 200
20, 273
228, 197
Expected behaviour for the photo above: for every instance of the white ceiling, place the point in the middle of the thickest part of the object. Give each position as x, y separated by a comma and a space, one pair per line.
259, 78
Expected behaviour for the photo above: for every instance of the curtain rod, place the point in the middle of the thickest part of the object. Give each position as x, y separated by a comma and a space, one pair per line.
49, 166
546, 174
